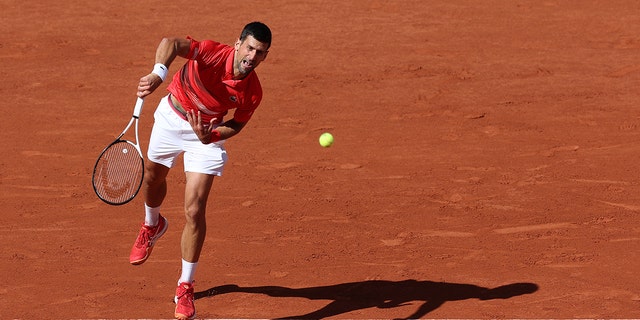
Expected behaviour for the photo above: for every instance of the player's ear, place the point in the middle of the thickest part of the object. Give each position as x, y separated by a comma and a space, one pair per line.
237, 45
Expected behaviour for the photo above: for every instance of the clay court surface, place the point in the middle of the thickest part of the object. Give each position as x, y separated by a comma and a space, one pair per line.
479, 144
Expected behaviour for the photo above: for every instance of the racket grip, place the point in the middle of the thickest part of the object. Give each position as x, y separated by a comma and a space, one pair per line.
138, 108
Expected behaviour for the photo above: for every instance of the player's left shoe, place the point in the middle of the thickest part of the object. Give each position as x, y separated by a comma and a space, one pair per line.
185, 307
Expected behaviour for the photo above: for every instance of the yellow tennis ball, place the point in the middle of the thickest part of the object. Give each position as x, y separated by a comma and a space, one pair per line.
326, 139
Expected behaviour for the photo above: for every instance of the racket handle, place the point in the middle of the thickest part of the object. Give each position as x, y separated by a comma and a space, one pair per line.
138, 108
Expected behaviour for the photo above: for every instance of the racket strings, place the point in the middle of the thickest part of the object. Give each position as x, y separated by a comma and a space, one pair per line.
118, 173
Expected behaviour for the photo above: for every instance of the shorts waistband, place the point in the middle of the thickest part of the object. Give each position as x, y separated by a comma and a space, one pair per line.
175, 105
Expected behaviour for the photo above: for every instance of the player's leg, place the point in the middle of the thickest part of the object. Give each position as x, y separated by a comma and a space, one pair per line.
202, 163
197, 190
154, 185
165, 145
164, 148
154, 189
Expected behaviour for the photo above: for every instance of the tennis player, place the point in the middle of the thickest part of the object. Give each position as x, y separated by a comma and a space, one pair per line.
190, 121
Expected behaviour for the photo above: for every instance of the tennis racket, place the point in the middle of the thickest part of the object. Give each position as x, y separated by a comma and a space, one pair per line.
118, 173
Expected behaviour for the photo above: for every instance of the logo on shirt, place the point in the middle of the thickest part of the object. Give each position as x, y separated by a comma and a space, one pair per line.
233, 99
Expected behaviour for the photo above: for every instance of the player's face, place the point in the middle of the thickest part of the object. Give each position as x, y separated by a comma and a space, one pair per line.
249, 53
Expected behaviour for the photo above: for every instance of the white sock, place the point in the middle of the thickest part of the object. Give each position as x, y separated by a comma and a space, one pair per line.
188, 270
151, 215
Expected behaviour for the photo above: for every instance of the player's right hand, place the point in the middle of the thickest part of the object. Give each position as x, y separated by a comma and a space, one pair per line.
148, 84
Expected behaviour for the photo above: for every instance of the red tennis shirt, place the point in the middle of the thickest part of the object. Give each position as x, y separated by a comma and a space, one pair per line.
205, 83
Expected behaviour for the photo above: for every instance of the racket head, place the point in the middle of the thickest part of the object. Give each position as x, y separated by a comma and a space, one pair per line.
118, 173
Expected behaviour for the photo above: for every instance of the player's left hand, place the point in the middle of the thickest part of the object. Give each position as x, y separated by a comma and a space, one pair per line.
202, 130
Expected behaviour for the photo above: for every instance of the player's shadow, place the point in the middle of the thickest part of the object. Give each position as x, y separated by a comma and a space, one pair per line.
382, 294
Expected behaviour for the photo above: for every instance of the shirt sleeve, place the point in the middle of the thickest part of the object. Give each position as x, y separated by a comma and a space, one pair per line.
193, 48
243, 114
207, 52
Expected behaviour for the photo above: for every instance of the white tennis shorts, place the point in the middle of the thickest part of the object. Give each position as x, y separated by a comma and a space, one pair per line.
172, 136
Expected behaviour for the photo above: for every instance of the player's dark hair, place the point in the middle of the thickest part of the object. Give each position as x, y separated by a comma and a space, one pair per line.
258, 30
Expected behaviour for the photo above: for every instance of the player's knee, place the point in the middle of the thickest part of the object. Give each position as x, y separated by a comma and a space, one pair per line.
195, 214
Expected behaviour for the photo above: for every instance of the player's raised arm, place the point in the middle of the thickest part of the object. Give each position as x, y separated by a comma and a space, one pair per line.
167, 51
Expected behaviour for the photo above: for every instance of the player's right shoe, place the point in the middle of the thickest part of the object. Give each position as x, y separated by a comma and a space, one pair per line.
145, 241
185, 307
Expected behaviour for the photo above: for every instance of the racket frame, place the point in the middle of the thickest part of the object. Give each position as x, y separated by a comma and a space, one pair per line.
135, 118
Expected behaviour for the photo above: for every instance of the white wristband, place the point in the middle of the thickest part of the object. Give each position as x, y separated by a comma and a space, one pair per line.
161, 70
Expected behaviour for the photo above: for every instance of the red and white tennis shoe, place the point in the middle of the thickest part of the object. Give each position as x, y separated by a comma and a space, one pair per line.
146, 239
185, 308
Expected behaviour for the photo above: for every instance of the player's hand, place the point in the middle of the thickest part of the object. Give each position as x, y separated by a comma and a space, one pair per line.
148, 84
202, 130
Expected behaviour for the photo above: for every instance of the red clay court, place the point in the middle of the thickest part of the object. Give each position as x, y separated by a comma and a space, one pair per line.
478, 145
